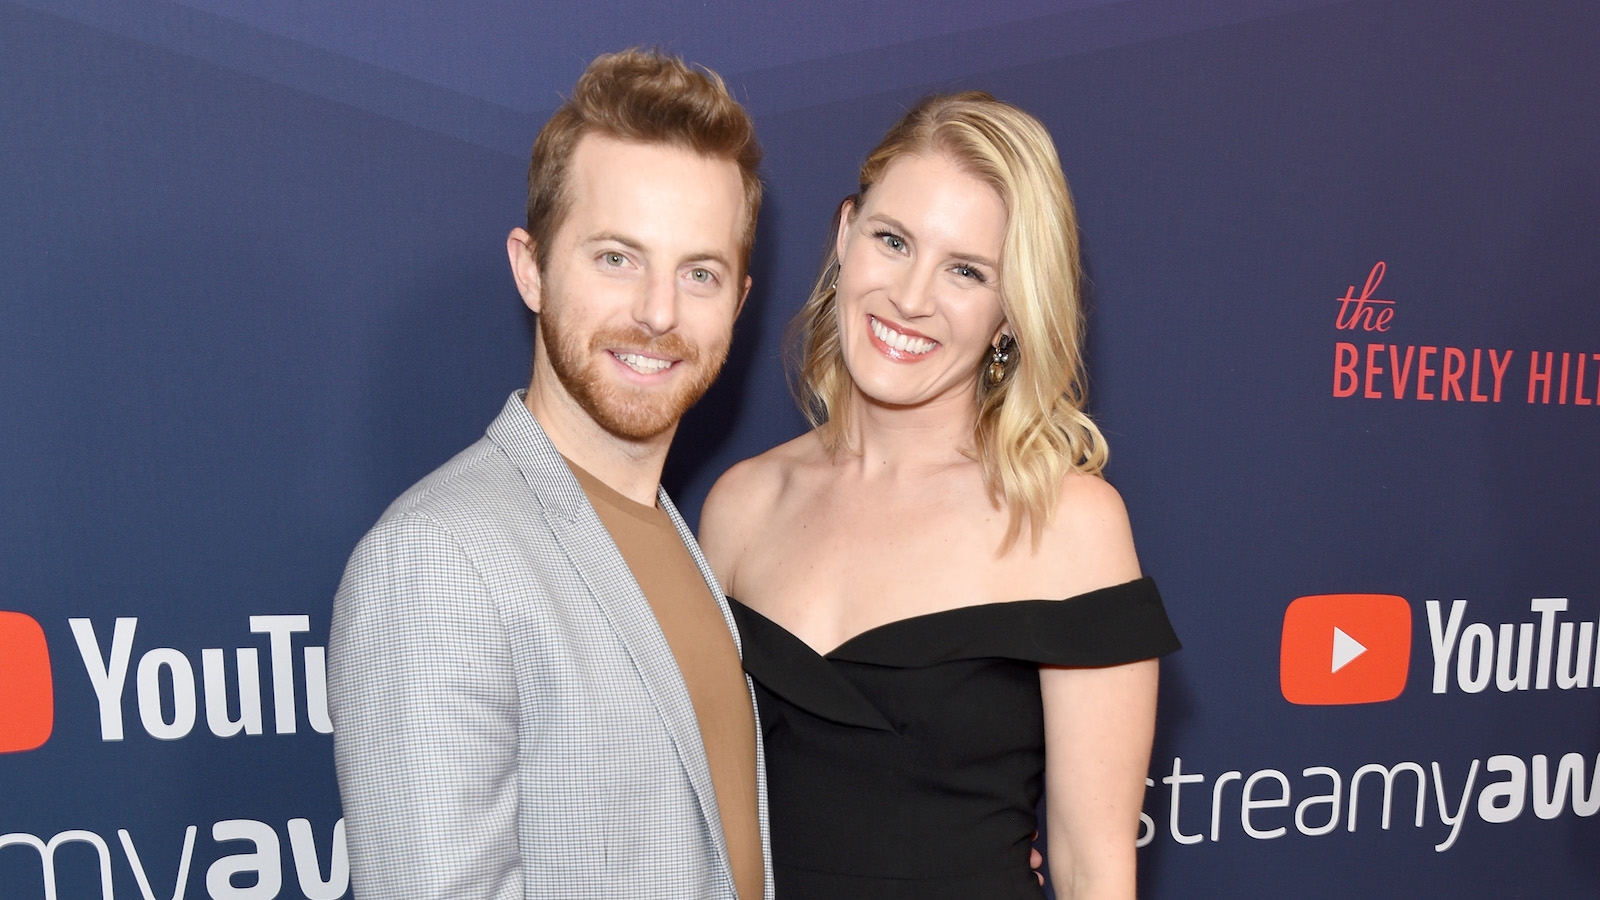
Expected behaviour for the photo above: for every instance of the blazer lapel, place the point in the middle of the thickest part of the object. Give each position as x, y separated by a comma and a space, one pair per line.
594, 555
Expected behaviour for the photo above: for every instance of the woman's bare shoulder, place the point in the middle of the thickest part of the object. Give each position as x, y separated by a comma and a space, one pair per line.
745, 496
1089, 542
1089, 499
749, 482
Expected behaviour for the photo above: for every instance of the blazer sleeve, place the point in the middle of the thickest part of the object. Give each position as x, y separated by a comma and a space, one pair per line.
424, 706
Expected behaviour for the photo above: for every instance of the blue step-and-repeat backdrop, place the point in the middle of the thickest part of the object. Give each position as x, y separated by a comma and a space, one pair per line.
1345, 343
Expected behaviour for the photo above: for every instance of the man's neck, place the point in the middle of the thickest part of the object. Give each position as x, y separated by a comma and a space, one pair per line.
631, 468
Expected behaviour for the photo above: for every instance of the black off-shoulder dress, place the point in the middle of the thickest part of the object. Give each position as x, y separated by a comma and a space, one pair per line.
908, 762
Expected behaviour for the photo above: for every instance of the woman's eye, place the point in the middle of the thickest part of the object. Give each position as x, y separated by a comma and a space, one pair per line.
966, 271
891, 240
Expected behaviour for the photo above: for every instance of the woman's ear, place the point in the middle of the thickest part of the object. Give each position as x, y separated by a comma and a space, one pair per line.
841, 226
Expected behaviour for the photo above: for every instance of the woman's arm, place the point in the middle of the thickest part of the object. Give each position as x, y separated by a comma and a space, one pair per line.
1098, 727
1099, 722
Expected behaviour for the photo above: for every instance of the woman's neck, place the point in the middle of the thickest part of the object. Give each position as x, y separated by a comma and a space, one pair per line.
929, 435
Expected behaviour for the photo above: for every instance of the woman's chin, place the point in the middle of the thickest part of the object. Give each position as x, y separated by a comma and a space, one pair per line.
903, 396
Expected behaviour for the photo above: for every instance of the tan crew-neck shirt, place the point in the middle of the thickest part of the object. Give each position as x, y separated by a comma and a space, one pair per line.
706, 655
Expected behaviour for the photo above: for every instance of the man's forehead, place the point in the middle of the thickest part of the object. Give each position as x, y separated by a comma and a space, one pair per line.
603, 154
653, 191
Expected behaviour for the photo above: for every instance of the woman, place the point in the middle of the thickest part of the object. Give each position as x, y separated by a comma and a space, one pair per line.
917, 683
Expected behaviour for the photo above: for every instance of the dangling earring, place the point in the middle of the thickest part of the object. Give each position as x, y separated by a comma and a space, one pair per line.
1001, 356
837, 268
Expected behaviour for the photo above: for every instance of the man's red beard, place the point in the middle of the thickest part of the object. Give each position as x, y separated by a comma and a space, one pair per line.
629, 412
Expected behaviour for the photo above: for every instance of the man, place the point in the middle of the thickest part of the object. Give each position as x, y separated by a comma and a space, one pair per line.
534, 680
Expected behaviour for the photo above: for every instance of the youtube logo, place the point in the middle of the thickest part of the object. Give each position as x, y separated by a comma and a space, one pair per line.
27, 702
1345, 648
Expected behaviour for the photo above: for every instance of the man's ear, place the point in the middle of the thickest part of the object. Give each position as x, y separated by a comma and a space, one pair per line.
525, 267
743, 296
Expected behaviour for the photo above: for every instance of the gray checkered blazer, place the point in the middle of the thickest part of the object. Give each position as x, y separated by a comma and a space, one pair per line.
508, 718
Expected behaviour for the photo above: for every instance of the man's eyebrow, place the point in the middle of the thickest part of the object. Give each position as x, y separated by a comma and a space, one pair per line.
613, 237
714, 256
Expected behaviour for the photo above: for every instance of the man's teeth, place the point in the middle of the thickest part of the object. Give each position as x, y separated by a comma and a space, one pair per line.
902, 342
644, 365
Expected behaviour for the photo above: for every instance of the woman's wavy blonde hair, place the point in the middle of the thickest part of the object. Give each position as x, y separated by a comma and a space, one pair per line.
1030, 428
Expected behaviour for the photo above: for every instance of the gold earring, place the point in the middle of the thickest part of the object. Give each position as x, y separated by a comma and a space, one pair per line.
1001, 356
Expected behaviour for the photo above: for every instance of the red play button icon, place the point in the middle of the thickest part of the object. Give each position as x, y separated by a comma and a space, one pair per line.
27, 696
1345, 648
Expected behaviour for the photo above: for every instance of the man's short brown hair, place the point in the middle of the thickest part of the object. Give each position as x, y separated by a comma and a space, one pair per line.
647, 97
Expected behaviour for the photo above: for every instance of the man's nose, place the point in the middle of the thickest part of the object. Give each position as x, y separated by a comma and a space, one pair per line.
656, 307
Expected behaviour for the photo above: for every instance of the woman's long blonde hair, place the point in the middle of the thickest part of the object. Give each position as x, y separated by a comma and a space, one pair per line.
1030, 428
